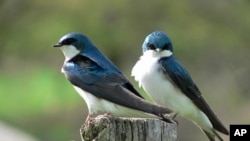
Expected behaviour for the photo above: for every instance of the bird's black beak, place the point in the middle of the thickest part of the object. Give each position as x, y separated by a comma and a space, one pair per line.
57, 45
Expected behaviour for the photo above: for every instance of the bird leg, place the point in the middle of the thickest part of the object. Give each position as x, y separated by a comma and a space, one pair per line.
173, 115
88, 119
170, 118
106, 115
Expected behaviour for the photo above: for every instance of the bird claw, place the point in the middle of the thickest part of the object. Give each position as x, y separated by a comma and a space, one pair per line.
88, 120
170, 118
106, 115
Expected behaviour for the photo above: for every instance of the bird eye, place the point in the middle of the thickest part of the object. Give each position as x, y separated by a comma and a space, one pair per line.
68, 41
165, 47
151, 47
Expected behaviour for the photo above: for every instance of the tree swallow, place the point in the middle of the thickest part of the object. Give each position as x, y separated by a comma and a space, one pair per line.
99, 82
168, 83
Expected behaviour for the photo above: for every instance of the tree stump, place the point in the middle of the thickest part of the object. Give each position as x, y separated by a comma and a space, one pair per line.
128, 129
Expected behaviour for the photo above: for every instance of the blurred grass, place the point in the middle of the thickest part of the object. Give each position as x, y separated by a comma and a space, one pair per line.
40, 99
210, 38
39, 88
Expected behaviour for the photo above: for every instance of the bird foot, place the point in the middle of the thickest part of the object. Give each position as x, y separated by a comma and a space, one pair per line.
173, 116
170, 118
88, 120
106, 115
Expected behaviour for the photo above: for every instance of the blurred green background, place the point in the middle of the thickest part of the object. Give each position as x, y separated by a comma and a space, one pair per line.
210, 38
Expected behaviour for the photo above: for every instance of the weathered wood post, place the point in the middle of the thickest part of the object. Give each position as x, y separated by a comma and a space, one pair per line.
128, 129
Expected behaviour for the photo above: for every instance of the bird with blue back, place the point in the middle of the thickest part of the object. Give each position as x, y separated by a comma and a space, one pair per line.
169, 84
100, 83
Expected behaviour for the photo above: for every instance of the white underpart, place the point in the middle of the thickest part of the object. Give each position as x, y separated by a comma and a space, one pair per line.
98, 105
149, 75
69, 51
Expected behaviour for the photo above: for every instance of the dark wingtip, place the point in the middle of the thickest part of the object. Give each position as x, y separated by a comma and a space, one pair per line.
210, 137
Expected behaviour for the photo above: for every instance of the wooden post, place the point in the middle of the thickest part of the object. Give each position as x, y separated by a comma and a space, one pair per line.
128, 129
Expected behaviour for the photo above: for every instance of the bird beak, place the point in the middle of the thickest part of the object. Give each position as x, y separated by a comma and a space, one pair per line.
57, 45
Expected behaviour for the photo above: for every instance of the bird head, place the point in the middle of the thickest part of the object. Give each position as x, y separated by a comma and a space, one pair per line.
72, 44
157, 42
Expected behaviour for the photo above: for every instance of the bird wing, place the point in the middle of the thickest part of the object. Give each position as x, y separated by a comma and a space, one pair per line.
181, 78
107, 84
96, 59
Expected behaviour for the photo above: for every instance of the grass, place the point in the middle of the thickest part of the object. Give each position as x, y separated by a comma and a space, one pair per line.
33, 92
41, 102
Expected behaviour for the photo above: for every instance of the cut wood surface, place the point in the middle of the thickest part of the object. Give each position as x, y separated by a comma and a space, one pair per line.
128, 129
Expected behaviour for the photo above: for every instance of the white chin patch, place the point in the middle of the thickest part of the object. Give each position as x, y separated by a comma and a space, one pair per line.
156, 54
69, 51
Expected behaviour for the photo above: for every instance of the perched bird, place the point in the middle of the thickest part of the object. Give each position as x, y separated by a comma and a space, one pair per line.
169, 84
103, 87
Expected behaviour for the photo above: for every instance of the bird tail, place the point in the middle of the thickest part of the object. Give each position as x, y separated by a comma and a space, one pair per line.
218, 125
211, 137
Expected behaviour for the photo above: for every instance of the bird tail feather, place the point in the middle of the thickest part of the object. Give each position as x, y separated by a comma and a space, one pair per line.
211, 137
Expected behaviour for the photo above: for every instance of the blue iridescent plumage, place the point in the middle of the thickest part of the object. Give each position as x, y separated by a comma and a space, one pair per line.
101, 84
168, 83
